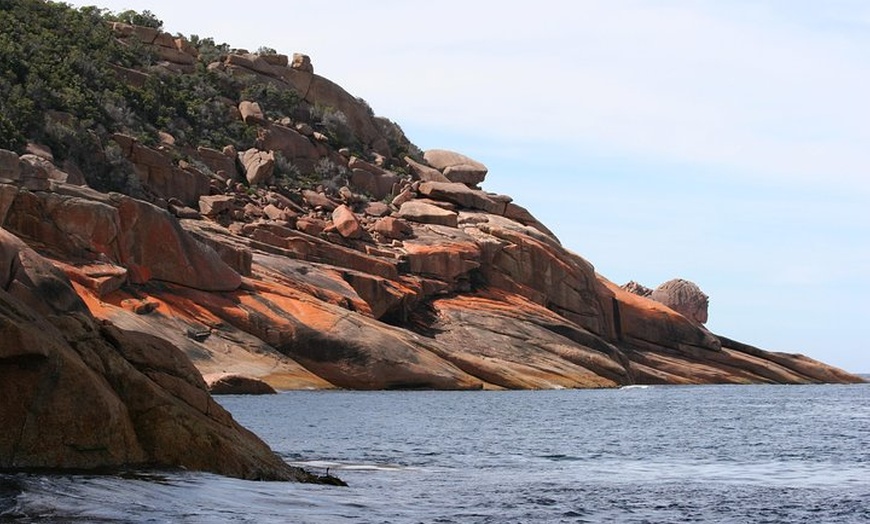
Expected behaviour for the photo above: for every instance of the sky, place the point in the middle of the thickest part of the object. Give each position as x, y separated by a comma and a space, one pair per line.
727, 143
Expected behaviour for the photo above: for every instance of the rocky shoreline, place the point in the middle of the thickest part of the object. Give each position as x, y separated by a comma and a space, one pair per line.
387, 272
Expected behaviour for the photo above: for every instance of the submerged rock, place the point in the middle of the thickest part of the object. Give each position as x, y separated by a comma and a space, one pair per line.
227, 384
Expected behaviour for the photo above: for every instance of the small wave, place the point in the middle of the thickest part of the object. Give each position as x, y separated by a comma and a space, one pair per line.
10, 489
350, 466
561, 458
636, 386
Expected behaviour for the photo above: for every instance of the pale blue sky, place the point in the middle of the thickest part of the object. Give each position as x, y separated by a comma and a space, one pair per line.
723, 142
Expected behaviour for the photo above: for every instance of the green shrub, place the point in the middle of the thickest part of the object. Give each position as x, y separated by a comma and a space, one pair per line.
330, 175
208, 50
276, 102
145, 18
60, 85
333, 123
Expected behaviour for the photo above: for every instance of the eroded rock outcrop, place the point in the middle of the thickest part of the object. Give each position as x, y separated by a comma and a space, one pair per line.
456, 167
159, 175
454, 291
85, 225
683, 297
442, 285
176, 53
79, 393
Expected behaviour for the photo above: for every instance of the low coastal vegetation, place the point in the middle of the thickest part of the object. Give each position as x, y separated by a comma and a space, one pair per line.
70, 83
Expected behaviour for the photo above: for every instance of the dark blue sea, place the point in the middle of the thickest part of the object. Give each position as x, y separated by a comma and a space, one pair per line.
759, 454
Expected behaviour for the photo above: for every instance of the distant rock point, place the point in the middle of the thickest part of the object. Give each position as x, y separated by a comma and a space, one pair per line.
684, 297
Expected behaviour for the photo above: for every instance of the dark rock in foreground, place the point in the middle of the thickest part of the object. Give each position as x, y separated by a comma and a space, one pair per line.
78, 393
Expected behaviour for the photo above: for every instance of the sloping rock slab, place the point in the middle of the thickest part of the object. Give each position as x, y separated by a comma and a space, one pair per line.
463, 195
424, 213
510, 342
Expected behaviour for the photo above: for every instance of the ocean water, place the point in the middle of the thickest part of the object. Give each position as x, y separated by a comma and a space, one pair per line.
635, 455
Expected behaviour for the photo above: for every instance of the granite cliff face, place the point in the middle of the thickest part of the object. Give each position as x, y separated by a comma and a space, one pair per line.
385, 269
79, 393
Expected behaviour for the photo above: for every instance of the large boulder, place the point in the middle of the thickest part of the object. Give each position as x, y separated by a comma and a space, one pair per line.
443, 253
302, 62
424, 172
214, 205
33, 281
159, 175
456, 167
371, 179
425, 213
176, 51
393, 228
252, 113
36, 171
179, 259
346, 222
318, 200
684, 297
259, 166
375, 209
223, 165
358, 163
377, 187
256, 63
643, 322
276, 59
464, 196
293, 146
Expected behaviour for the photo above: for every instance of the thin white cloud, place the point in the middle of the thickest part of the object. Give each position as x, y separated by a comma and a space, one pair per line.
747, 85
674, 82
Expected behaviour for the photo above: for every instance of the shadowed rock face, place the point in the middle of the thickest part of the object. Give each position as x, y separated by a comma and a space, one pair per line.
80, 393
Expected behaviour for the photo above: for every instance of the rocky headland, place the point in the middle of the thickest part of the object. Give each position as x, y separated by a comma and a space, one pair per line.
321, 249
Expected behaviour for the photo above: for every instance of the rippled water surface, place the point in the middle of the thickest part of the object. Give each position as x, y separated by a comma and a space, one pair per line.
657, 454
